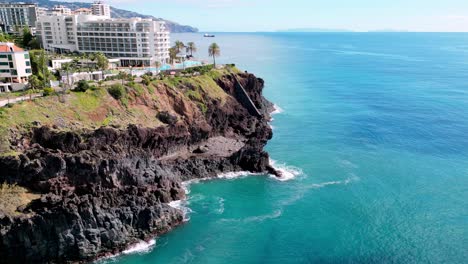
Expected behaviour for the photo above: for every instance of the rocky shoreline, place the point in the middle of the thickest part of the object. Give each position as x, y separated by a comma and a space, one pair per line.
105, 189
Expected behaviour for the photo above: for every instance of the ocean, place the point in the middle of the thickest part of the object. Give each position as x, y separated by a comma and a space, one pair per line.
374, 129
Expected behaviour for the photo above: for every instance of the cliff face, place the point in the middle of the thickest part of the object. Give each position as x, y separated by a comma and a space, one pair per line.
104, 189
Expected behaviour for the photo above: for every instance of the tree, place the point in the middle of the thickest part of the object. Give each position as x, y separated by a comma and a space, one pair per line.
69, 67
214, 51
27, 37
122, 76
179, 46
39, 61
191, 47
172, 54
101, 61
34, 82
6, 37
86, 58
157, 65
34, 44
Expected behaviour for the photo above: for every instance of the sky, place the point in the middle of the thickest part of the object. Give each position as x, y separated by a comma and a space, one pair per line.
272, 15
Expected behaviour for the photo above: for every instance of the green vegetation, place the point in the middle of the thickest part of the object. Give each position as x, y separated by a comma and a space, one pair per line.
6, 37
179, 46
39, 61
214, 51
191, 47
82, 86
48, 91
102, 62
14, 196
112, 105
117, 91
172, 54
200, 69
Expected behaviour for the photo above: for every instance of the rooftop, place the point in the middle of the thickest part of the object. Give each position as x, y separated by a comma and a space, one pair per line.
9, 47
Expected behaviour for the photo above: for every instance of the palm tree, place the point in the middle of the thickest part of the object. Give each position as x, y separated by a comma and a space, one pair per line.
214, 51
157, 65
179, 46
191, 47
68, 67
34, 83
172, 54
122, 76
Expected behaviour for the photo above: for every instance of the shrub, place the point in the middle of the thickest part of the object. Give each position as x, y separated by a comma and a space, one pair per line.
48, 91
146, 79
117, 91
82, 86
199, 69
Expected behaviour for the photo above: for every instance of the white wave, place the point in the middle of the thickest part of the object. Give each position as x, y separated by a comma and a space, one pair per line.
237, 174
277, 110
352, 178
220, 209
287, 172
182, 205
140, 247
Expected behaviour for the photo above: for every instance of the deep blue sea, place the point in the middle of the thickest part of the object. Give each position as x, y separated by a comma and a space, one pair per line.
377, 126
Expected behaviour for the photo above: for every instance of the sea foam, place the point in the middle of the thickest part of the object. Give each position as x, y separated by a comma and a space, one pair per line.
277, 110
287, 172
140, 247
182, 205
234, 175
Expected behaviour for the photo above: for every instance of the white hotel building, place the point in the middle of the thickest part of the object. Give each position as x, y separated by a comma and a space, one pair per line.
15, 67
136, 41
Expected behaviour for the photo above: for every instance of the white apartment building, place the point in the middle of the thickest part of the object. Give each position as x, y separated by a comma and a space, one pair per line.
15, 67
135, 41
99, 8
59, 10
13, 15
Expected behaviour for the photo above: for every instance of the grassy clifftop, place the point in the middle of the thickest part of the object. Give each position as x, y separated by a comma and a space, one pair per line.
140, 103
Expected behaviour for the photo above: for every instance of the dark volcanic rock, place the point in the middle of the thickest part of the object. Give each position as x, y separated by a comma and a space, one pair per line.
105, 189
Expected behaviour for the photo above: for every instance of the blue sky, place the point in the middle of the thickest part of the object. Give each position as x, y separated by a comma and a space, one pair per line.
271, 15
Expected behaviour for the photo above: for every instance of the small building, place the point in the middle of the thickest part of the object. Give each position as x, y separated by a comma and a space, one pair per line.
99, 8
56, 64
59, 10
15, 67
83, 11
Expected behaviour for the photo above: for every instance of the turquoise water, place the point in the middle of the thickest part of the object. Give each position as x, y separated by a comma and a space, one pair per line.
378, 125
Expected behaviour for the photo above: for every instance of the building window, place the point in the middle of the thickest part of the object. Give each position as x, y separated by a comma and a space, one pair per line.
28, 63
26, 56
4, 63
28, 71
9, 57
3, 56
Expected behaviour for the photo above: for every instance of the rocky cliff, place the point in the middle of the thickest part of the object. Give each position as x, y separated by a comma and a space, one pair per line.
103, 189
